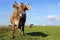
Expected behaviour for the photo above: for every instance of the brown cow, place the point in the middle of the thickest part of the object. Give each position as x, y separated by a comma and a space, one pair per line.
18, 17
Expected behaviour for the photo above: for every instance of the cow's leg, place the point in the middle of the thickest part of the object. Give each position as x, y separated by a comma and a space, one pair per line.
19, 26
22, 33
13, 31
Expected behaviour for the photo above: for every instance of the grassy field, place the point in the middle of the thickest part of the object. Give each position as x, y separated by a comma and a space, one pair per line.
35, 33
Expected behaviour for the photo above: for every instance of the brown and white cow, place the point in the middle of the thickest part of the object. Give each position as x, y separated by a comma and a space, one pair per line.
18, 17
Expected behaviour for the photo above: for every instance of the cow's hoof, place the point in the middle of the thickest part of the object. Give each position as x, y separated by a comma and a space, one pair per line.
12, 37
22, 34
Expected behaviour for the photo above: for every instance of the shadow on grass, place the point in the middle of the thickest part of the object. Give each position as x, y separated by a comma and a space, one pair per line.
38, 34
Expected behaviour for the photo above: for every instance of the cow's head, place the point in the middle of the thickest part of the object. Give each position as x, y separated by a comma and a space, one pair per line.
21, 7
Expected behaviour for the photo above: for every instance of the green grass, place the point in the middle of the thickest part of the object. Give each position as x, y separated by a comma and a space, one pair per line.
35, 33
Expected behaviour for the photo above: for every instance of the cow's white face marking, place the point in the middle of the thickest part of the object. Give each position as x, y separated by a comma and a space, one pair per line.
19, 5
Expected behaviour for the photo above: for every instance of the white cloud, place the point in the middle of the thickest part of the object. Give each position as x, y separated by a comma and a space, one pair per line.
53, 17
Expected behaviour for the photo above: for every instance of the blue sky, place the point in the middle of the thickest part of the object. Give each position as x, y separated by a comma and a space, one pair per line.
42, 12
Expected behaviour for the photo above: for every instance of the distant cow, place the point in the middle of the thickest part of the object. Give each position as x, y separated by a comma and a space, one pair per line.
30, 25
18, 17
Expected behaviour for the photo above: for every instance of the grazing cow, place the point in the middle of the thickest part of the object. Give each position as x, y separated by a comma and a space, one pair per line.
18, 17
30, 25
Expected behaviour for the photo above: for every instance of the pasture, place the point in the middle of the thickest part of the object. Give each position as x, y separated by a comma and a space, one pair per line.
34, 33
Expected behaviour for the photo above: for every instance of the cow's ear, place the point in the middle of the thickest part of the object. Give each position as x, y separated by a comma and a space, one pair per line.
14, 5
28, 7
